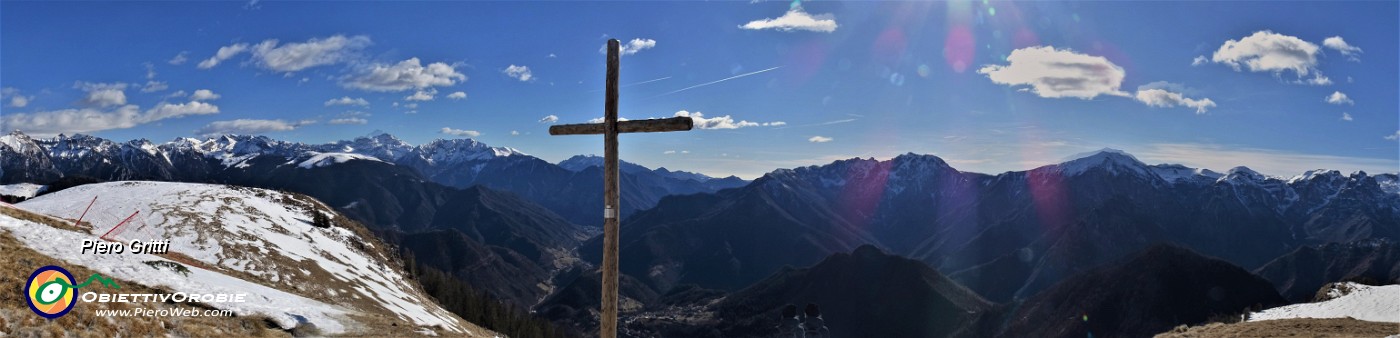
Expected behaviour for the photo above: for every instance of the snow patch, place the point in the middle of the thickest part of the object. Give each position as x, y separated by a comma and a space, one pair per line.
26, 190
325, 159
1363, 302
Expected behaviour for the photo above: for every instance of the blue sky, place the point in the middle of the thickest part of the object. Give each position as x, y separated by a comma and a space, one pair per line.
988, 86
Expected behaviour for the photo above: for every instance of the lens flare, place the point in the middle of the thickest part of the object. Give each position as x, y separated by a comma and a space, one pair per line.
959, 48
890, 46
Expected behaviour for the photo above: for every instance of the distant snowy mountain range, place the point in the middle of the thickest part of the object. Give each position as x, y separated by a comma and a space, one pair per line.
457, 163
1006, 236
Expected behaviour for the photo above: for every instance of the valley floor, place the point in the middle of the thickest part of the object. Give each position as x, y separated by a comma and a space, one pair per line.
1297, 327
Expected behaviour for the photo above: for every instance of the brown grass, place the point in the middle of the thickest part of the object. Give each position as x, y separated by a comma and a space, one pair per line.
17, 320
42, 219
1301, 327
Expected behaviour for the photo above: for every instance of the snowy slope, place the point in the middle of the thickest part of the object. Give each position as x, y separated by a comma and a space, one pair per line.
281, 306
261, 236
1363, 302
324, 159
25, 190
1113, 160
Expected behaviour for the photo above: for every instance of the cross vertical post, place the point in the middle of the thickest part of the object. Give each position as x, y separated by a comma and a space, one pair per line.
607, 326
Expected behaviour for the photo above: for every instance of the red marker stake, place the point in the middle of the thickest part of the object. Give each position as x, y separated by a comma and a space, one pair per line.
128, 218
89, 207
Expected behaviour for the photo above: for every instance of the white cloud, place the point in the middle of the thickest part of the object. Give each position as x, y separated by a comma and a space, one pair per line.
550, 119
154, 86
1199, 60
84, 120
167, 110
204, 95
405, 75
723, 122
1342, 46
631, 47
179, 59
819, 139
348, 120
1393, 137
1316, 80
521, 73
1056, 73
103, 94
1266, 51
459, 132
1339, 98
514, 133
355, 113
457, 95
796, 19
600, 120
224, 53
551, 56
150, 71
347, 101
1346, 116
1156, 97
249, 126
18, 101
422, 95
668, 152
297, 56
179, 93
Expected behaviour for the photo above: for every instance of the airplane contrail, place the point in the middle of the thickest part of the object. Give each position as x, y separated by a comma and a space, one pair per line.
644, 82
717, 81
633, 84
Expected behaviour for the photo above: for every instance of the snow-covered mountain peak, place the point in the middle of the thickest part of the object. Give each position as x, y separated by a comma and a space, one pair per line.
1315, 174
1113, 160
19, 142
461, 150
379, 145
581, 162
578, 163
1179, 173
1243, 174
1389, 183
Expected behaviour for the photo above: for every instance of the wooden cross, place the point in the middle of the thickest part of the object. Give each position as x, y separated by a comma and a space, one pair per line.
610, 127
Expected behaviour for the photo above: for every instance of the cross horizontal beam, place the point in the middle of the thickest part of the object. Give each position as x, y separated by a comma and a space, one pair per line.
634, 126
